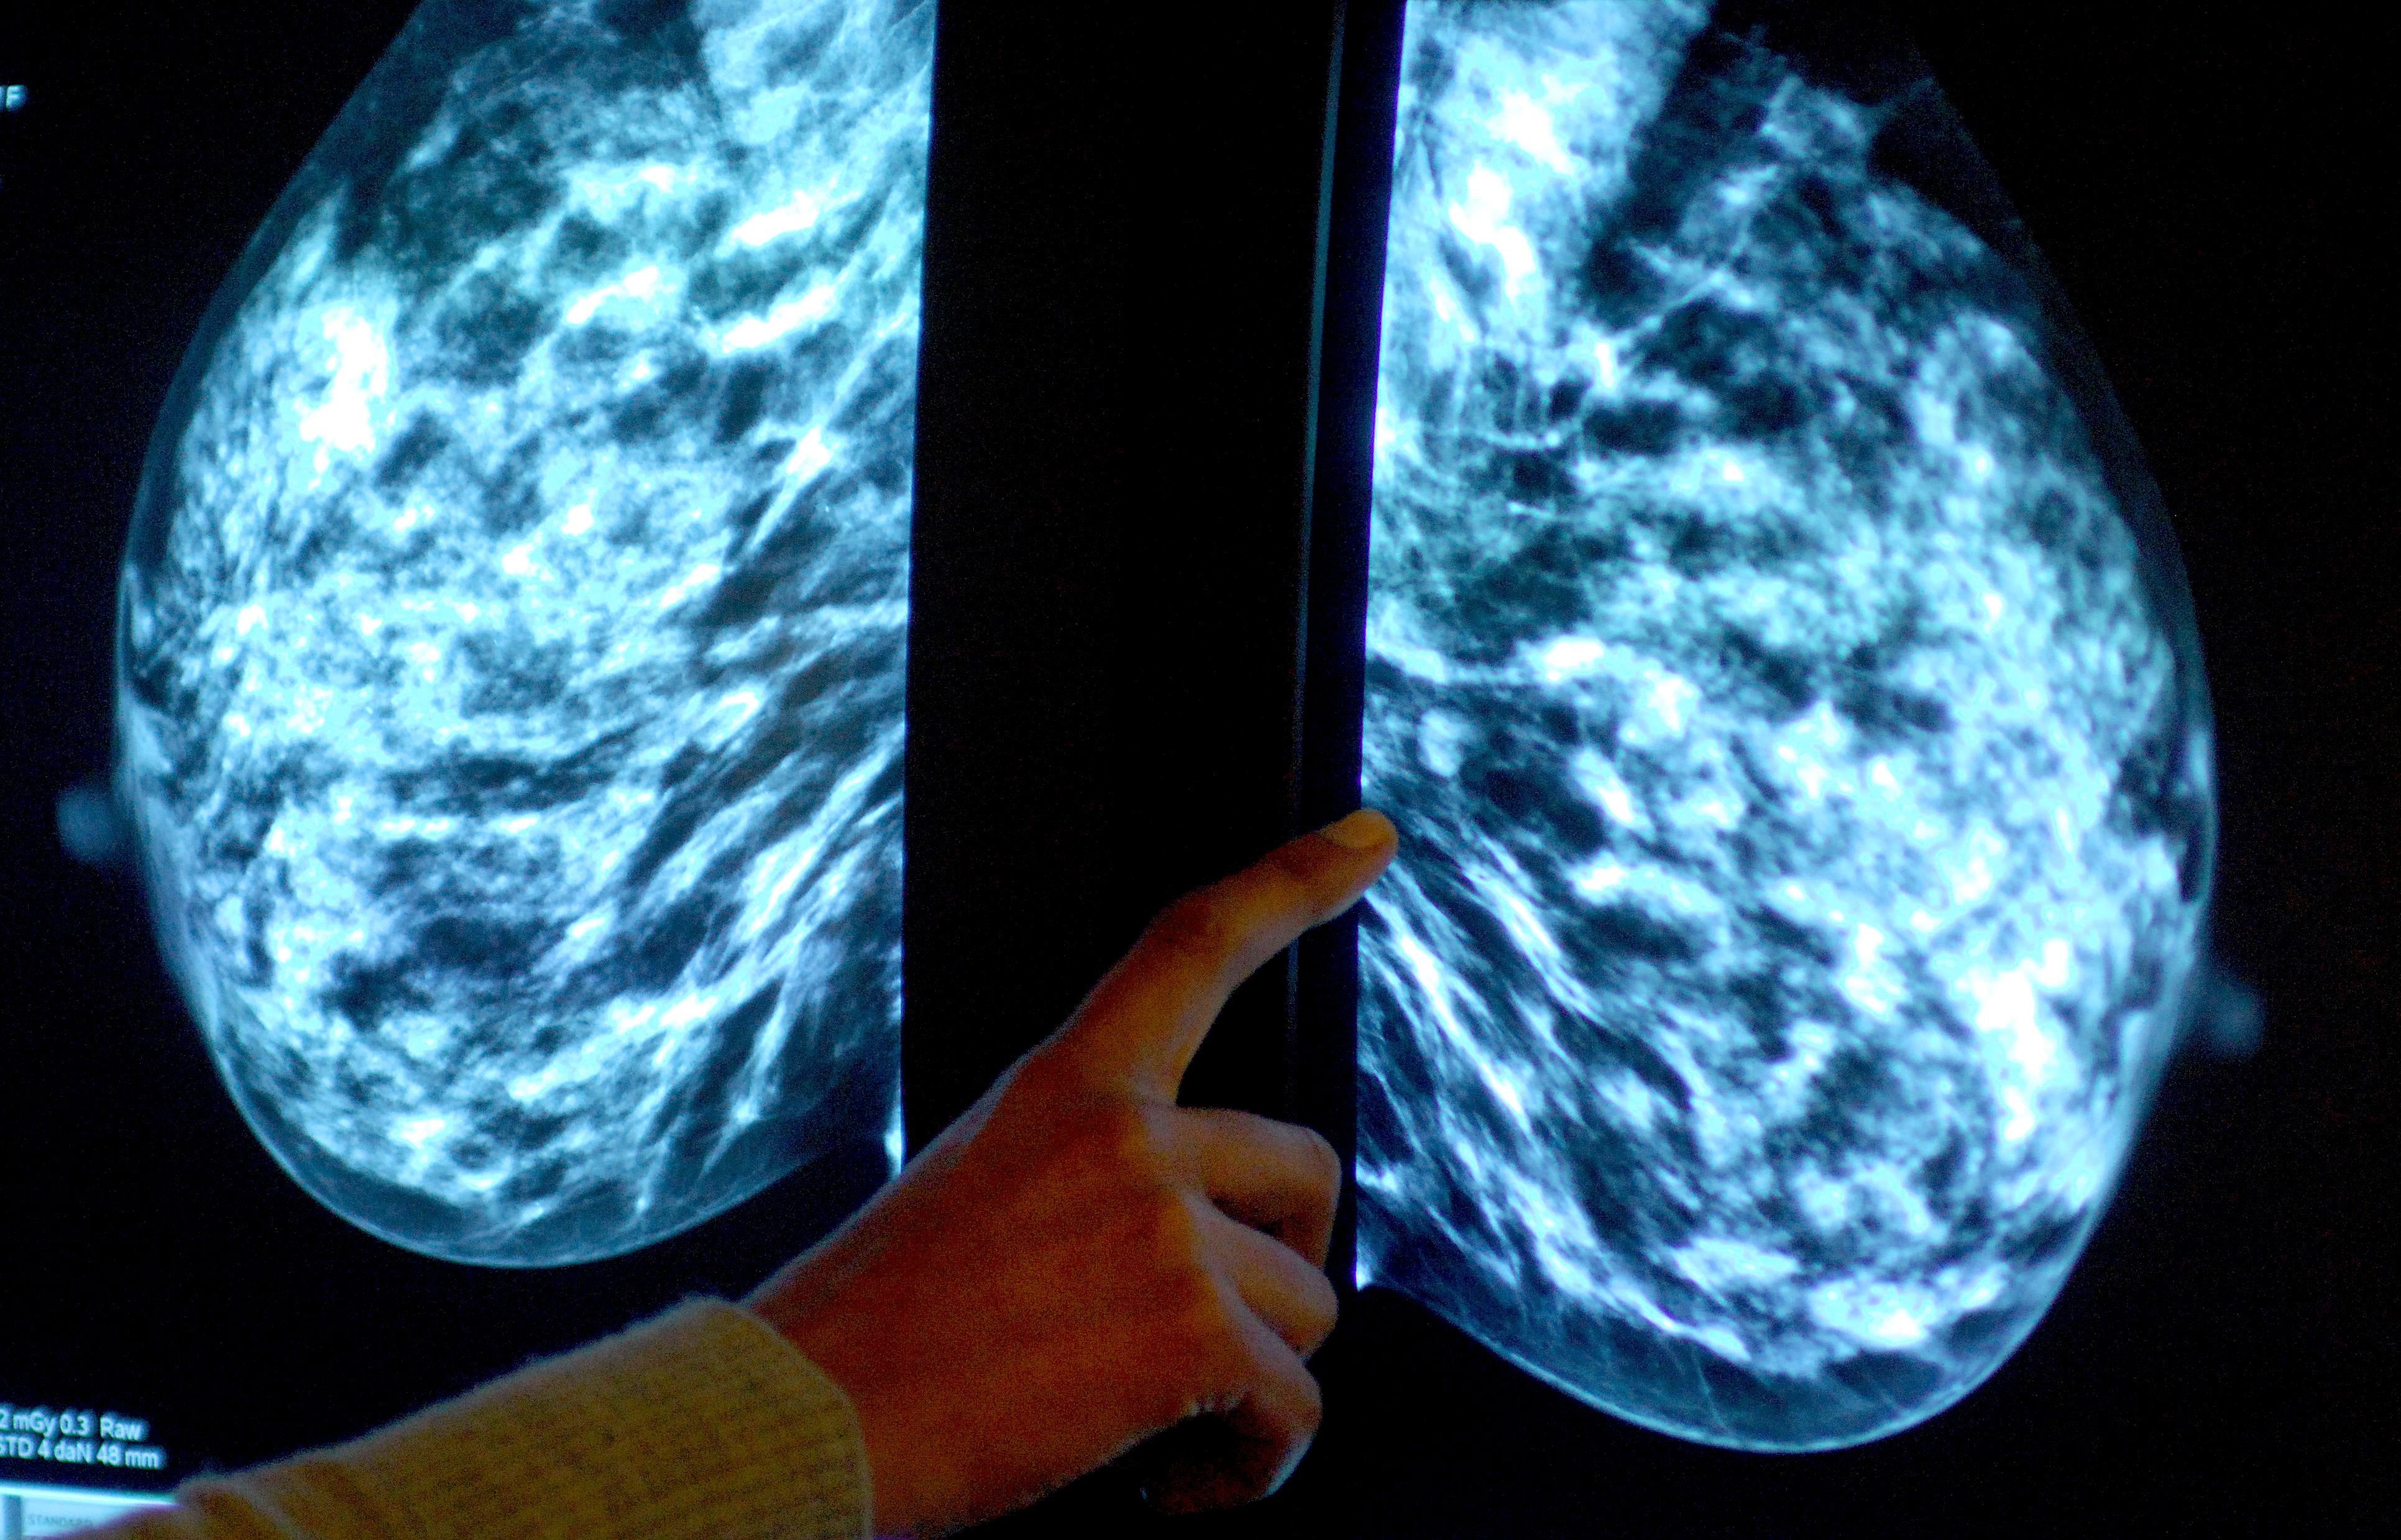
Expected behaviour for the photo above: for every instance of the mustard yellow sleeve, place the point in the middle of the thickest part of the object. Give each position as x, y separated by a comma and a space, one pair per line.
702, 1424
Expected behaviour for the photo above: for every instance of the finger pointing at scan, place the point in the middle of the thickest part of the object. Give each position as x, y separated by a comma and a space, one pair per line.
1143, 1022
1079, 1265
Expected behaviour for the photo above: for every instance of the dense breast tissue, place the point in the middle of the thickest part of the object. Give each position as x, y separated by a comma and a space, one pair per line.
511, 639
1802, 756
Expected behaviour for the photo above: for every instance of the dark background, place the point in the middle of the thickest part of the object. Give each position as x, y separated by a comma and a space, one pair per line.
1111, 463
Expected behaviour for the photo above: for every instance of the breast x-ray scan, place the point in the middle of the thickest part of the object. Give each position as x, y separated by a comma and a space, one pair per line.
1775, 653
513, 504
511, 635
1786, 679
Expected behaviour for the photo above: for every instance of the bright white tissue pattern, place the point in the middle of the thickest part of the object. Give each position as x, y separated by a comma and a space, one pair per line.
1806, 792
511, 631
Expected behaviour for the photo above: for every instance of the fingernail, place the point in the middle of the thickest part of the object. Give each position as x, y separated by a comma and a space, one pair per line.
1362, 830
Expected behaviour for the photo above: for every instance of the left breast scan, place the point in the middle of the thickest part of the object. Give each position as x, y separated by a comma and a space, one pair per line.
511, 635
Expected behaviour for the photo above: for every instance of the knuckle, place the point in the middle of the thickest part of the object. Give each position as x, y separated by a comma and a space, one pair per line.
1308, 1405
1325, 1310
1184, 1287
1201, 925
1188, 1333
1305, 879
1170, 1233
1308, 1414
1196, 1306
1119, 1137
1325, 1162
1292, 863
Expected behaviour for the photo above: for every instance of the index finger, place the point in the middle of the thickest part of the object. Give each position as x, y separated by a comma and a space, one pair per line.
1147, 1017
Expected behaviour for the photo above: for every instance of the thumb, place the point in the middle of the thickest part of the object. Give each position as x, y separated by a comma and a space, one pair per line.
1142, 1023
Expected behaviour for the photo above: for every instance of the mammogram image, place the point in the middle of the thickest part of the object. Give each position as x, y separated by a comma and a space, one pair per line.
1787, 688
511, 636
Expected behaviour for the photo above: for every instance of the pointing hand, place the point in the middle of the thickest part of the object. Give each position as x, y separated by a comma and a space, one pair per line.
1077, 1263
